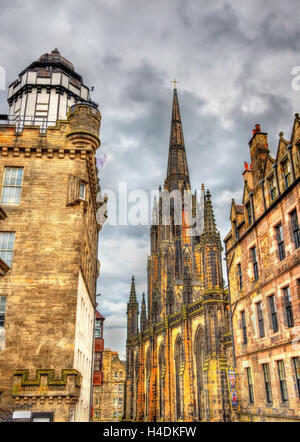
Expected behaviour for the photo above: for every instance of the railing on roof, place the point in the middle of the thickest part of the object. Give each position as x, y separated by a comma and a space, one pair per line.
19, 121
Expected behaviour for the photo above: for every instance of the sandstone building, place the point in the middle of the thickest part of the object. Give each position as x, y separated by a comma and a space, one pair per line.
48, 239
98, 365
263, 257
179, 348
111, 391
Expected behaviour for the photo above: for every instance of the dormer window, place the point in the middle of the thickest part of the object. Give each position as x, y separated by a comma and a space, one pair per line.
287, 173
272, 186
236, 232
249, 213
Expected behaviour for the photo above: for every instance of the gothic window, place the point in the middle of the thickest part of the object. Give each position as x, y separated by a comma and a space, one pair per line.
288, 307
280, 242
200, 355
179, 370
295, 228
162, 372
148, 376
135, 384
12, 185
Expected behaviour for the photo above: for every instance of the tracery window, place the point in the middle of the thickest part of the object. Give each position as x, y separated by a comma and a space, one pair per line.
200, 355
162, 372
179, 370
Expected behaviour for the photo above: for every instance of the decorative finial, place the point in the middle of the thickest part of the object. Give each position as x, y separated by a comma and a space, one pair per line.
174, 82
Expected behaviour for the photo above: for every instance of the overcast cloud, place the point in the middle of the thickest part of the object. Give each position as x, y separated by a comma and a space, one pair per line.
233, 60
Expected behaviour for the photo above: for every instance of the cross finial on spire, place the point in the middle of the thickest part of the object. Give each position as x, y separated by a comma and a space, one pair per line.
174, 82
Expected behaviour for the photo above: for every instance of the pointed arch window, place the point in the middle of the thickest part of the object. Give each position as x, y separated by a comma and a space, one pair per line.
135, 384
200, 355
179, 371
148, 376
162, 373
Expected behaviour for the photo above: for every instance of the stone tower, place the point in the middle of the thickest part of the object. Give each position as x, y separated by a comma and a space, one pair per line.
49, 240
177, 364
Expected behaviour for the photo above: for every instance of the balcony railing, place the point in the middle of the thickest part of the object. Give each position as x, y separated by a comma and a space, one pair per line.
19, 121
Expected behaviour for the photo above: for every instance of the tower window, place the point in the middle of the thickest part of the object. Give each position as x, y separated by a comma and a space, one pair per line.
282, 381
288, 307
2, 310
287, 173
273, 313
267, 379
12, 185
250, 385
244, 327
236, 231
296, 365
6, 247
295, 228
272, 186
260, 320
254, 263
280, 242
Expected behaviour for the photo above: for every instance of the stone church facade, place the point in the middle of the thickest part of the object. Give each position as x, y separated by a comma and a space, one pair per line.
179, 348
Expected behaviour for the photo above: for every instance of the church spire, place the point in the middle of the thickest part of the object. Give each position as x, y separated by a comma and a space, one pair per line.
132, 311
209, 229
132, 297
178, 174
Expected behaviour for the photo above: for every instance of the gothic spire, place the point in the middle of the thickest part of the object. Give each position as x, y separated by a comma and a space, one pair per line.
143, 314
132, 297
132, 311
210, 232
178, 174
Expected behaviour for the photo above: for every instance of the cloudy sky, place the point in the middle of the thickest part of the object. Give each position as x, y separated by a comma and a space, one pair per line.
233, 61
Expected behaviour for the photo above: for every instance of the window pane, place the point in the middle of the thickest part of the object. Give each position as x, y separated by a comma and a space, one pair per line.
6, 246
12, 182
